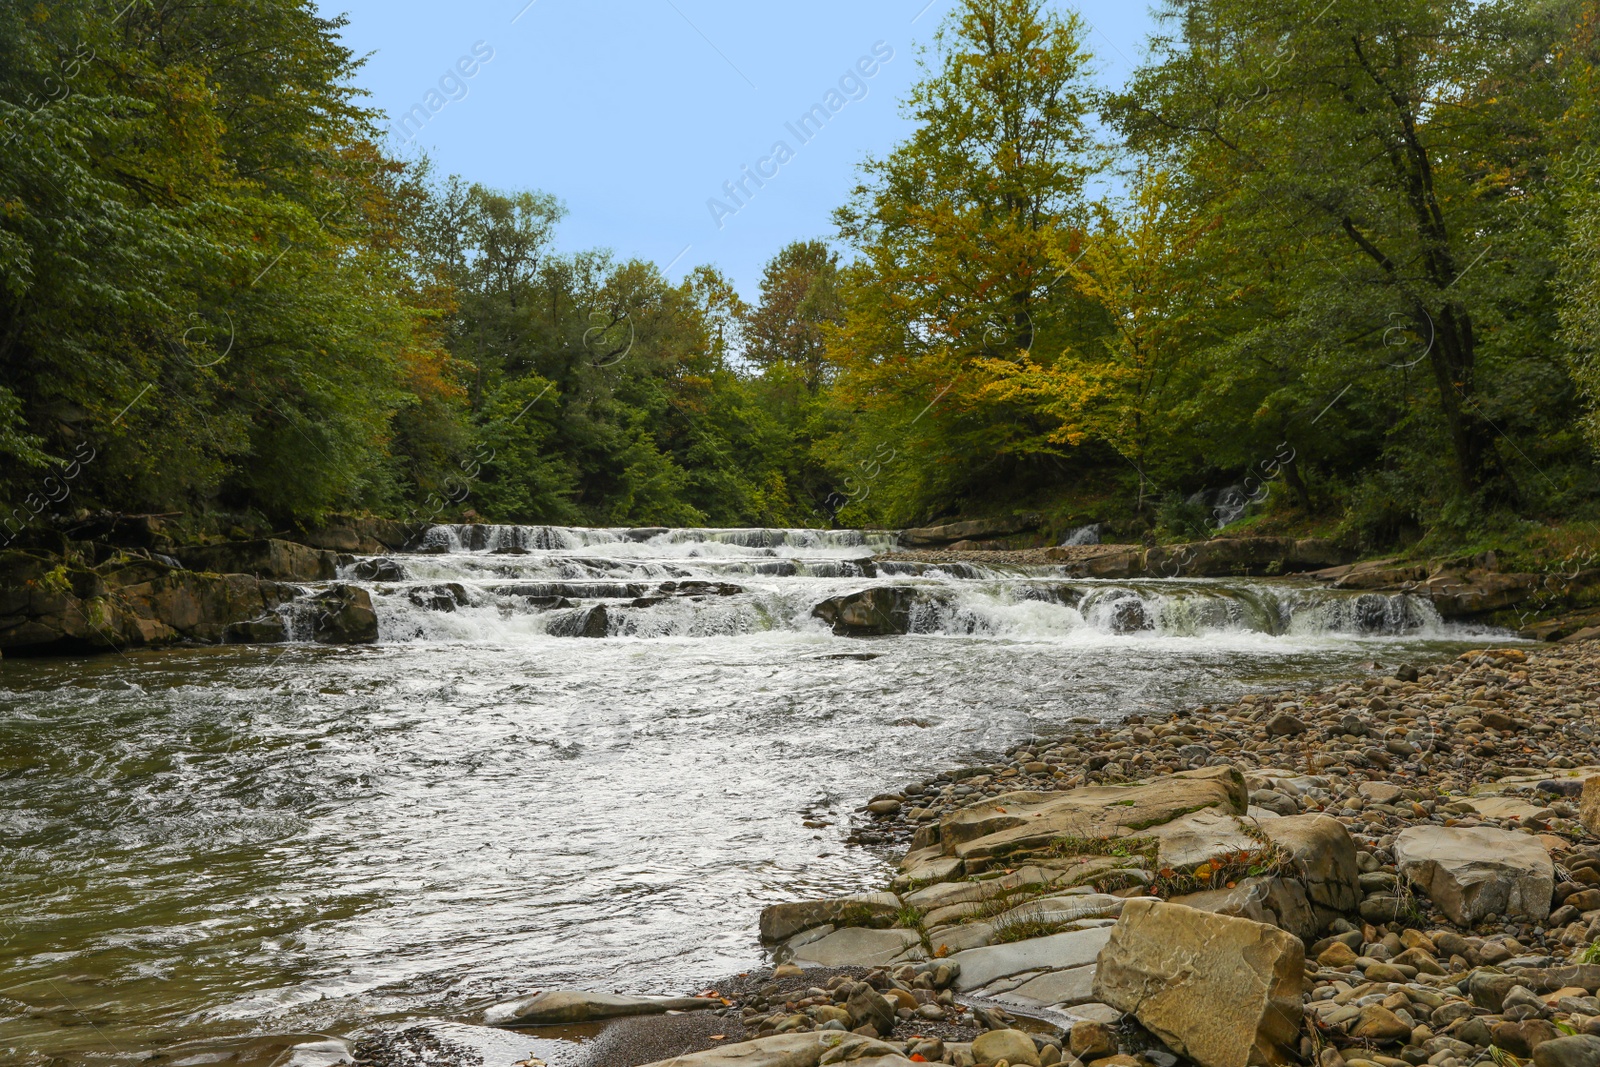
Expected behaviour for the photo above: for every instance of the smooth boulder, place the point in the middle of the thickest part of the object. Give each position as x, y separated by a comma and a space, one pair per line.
573, 1006
1223, 991
1011, 1046
1473, 872
1580, 1051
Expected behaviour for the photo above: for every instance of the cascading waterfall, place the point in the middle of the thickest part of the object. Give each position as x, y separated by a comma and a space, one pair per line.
517, 583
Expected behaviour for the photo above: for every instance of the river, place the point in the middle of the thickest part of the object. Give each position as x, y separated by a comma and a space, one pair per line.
205, 843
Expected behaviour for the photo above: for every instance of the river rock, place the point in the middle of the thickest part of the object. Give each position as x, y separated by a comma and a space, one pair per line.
1015, 823
55, 604
1223, 991
1011, 1046
343, 615
1580, 1051
271, 558
1380, 1026
854, 946
868, 1007
564, 1006
1471, 872
1589, 805
971, 530
362, 535
1279, 902
875, 612
793, 1050
779, 922
1223, 557
1074, 948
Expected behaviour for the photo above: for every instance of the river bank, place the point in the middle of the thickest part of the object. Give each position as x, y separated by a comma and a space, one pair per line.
1442, 907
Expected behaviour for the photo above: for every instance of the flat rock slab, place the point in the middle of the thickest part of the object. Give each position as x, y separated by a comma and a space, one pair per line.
1093, 1012
1200, 836
1019, 822
1074, 985
1508, 808
1223, 991
781, 921
1471, 872
786, 1050
1076, 948
854, 946
572, 1006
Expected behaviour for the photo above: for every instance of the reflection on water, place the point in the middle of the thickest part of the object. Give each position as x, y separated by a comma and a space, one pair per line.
214, 843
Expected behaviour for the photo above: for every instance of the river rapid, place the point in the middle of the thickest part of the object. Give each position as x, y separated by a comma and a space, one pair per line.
214, 845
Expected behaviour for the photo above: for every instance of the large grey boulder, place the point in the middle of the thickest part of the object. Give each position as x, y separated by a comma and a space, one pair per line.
573, 1006
1472, 872
1223, 991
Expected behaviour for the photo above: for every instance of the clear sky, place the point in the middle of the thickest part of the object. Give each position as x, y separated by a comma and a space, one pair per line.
635, 112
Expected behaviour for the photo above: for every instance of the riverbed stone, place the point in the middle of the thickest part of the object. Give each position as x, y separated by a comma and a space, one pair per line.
1073, 985
1472, 872
269, 558
1012, 1046
783, 1050
343, 615
1324, 857
1582, 1050
1076, 948
1015, 824
1279, 902
1223, 991
574, 1006
1589, 805
779, 922
855, 946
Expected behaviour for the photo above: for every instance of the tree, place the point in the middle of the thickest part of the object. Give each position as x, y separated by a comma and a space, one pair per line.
799, 300
1399, 147
955, 232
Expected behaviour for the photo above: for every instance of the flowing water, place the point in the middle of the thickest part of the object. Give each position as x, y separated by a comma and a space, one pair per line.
198, 844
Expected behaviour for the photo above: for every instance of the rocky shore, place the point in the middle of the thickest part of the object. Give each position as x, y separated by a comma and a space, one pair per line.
1385, 872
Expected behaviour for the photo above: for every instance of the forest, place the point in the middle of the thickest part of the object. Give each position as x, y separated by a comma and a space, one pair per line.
1340, 253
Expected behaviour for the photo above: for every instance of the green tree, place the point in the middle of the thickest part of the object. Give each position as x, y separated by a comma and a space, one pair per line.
799, 301
1377, 170
956, 231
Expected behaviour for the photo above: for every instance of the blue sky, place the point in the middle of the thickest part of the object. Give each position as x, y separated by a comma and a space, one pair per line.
636, 112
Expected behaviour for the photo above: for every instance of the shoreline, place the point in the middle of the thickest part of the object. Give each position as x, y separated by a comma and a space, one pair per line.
1496, 741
